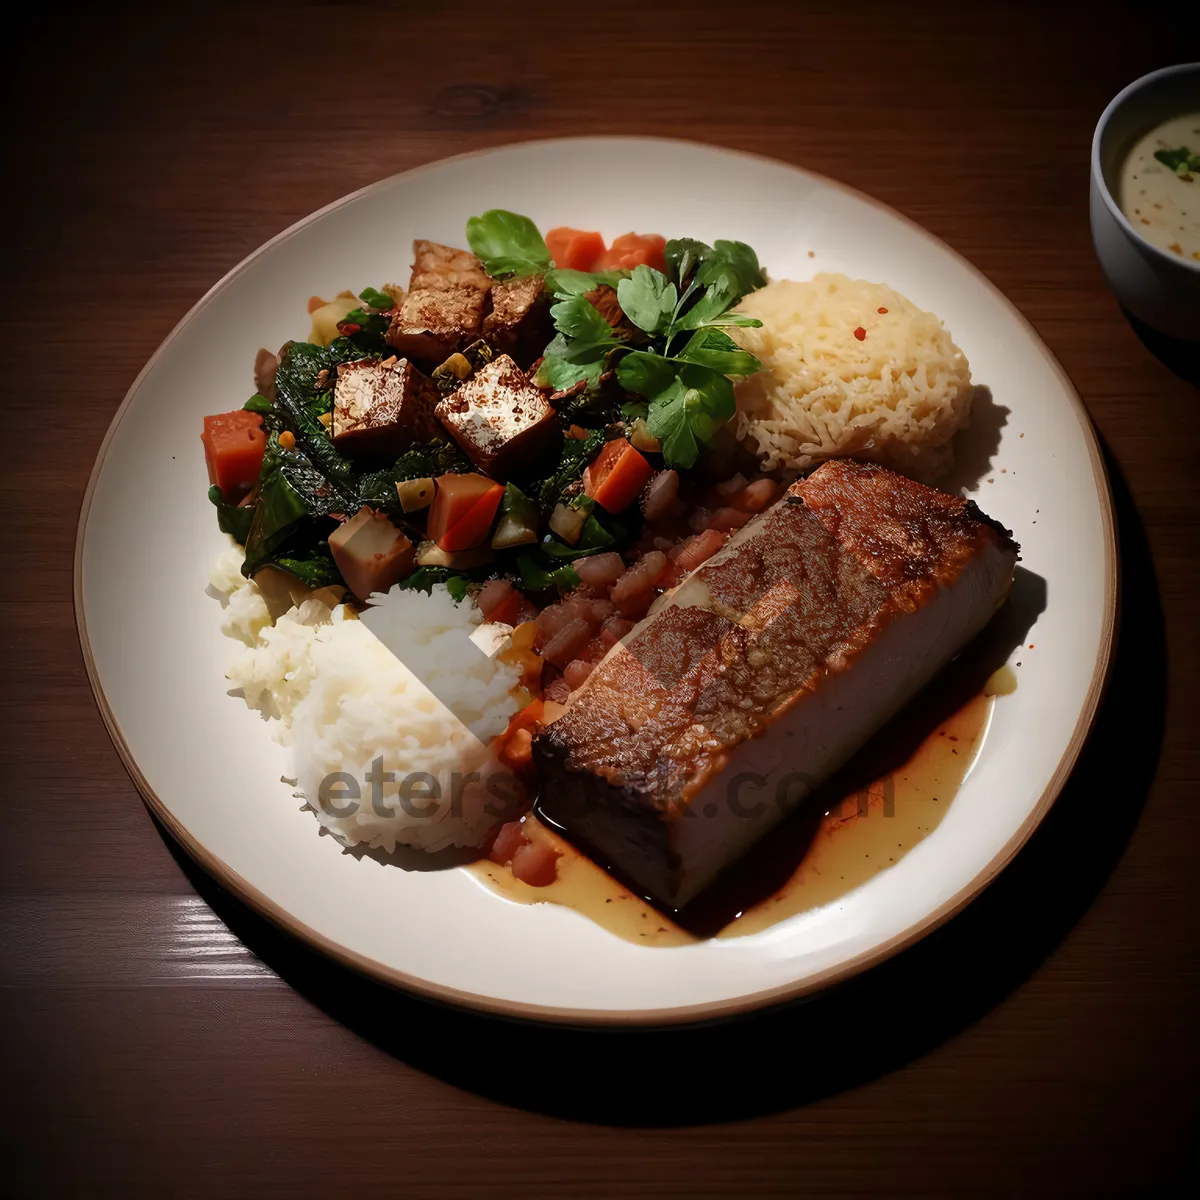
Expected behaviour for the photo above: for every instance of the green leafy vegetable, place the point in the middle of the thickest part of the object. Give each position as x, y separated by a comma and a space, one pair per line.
645, 373
556, 372
233, 519
576, 454
683, 371
712, 348
592, 537
519, 506
424, 578
507, 244
688, 412
258, 404
683, 255
365, 330
374, 298
279, 511
732, 266
316, 569
537, 578
565, 281
580, 320
1182, 161
425, 460
648, 299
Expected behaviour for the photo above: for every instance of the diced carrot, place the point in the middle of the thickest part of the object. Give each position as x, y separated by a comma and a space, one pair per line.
492, 595
575, 249
633, 249
616, 478
514, 747
233, 449
499, 602
462, 512
518, 750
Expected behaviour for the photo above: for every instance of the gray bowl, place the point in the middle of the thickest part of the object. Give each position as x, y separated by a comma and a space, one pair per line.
1160, 289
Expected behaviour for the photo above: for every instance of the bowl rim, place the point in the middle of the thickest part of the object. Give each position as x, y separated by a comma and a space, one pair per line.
1130, 89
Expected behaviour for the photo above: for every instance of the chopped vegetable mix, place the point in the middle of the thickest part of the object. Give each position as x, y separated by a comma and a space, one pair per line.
631, 379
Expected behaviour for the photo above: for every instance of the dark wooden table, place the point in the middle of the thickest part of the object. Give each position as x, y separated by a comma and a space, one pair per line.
158, 1039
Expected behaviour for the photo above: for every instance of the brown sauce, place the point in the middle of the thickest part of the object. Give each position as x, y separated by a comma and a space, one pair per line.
890, 798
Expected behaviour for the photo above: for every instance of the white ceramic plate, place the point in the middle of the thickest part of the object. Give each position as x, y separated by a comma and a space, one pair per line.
207, 767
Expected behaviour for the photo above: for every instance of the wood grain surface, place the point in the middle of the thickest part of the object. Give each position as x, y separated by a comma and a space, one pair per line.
157, 1039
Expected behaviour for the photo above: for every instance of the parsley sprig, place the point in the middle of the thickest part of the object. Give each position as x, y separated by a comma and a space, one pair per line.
681, 359
683, 371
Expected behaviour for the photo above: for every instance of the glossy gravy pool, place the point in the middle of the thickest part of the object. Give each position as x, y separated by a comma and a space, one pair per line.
890, 798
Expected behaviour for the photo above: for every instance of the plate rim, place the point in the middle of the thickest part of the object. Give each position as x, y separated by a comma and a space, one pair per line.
478, 1002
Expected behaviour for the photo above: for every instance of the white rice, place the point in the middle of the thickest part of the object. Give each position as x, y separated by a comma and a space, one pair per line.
850, 368
341, 699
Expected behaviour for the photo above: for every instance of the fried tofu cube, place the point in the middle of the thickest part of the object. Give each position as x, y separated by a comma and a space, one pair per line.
437, 267
381, 408
504, 424
519, 323
371, 553
435, 322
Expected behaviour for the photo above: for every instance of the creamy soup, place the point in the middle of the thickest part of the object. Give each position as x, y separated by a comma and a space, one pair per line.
1160, 186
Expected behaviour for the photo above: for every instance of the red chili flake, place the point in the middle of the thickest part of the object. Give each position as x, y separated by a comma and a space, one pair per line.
883, 310
348, 328
861, 334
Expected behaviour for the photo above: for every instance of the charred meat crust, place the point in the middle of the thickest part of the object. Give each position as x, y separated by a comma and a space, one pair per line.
793, 601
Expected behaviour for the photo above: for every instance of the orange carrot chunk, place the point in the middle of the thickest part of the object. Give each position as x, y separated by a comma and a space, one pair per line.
633, 249
233, 449
461, 515
575, 249
616, 477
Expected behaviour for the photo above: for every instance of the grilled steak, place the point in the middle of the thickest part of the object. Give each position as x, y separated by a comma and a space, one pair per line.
503, 423
765, 670
381, 408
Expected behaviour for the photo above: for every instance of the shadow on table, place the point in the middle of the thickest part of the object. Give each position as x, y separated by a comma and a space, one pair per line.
1181, 357
807, 1049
